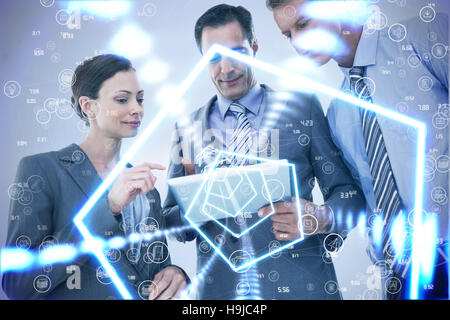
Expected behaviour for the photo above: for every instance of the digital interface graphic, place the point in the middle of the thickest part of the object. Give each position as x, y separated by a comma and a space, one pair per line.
203, 217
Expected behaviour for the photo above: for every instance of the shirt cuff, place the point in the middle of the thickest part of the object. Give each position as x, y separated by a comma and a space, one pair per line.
333, 221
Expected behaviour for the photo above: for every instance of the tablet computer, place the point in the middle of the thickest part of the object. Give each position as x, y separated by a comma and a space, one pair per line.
232, 191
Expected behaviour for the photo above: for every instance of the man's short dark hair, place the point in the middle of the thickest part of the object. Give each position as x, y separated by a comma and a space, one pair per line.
273, 4
221, 15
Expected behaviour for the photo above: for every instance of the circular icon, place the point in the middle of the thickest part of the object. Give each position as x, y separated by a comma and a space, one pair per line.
370, 294
414, 60
67, 77
401, 3
204, 247
23, 242
310, 286
443, 164
47, 3
148, 225
369, 87
274, 276
149, 9
43, 116
439, 122
78, 156
444, 110
42, 283
62, 17
411, 216
430, 165
35, 183
400, 61
147, 258
427, 14
27, 211
273, 246
402, 107
64, 89
439, 195
312, 182
303, 140
26, 197
219, 240
259, 141
425, 83
289, 11
113, 255
426, 57
158, 252
64, 110
372, 219
50, 105
240, 258
144, 289
15, 191
377, 21
51, 45
12, 89
393, 285
309, 208
242, 288
55, 57
327, 257
102, 275
310, 224
432, 36
47, 242
397, 32
439, 51
50, 239
82, 127
47, 268
275, 189
429, 178
390, 251
133, 255
333, 243
328, 167
239, 219
331, 287
383, 268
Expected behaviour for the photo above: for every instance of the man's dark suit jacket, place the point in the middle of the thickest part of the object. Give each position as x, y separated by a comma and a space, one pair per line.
304, 271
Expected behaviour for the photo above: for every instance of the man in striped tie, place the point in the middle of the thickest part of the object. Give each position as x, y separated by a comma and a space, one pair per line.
293, 127
402, 66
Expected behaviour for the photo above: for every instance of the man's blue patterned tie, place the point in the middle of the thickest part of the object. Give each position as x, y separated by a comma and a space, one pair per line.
242, 136
387, 197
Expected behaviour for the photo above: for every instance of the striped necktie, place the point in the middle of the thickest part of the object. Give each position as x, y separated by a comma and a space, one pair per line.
386, 193
241, 139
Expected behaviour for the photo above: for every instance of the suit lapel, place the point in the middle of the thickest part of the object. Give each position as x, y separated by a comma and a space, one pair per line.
203, 137
80, 168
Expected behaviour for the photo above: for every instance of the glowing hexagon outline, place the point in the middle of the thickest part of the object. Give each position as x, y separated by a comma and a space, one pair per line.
307, 83
208, 193
264, 256
205, 181
221, 180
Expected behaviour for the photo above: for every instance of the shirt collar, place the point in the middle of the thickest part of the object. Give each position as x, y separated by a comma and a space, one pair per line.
251, 101
366, 52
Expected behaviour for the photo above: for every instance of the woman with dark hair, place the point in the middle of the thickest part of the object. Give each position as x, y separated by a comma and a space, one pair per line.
108, 97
